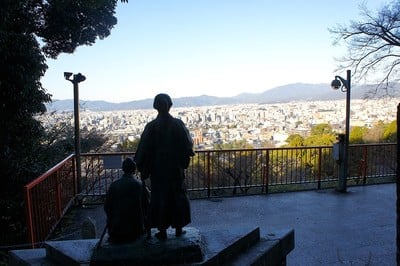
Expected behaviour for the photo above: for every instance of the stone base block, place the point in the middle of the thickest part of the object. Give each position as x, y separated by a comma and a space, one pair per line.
185, 249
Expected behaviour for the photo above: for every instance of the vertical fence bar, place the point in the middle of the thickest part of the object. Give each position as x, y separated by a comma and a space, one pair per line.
58, 194
208, 174
267, 172
319, 167
364, 165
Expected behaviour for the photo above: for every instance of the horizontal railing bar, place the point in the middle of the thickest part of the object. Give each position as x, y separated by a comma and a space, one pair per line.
48, 173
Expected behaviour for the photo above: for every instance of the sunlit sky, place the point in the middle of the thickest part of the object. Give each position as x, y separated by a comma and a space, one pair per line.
207, 47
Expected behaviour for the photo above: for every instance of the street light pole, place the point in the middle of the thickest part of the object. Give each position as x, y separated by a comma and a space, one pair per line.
347, 139
76, 79
345, 86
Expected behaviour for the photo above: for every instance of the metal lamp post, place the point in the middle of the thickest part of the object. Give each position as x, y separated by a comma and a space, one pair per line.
76, 79
345, 86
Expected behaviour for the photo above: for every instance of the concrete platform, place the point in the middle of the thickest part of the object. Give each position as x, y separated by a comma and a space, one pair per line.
356, 228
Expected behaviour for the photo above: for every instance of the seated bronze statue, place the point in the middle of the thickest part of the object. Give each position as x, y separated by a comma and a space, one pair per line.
123, 206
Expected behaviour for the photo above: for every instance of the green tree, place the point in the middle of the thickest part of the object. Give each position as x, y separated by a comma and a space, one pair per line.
30, 30
357, 135
321, 129
375, 134
320, 140
128, 145
390, 133
321, 135
237, 144
295, 140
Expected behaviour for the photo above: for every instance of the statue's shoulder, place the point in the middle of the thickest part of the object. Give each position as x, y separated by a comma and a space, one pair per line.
151, 124
178, 121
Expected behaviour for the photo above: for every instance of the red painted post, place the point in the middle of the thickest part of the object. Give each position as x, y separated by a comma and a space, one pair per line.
75, 175
28, 211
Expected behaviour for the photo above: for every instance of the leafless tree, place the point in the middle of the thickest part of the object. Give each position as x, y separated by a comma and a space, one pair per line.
373, 46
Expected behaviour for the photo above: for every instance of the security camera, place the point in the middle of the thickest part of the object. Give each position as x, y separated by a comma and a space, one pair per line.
336, 84
79, 77
67, 75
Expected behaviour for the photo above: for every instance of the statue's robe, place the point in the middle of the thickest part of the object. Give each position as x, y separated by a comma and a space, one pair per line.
163, 153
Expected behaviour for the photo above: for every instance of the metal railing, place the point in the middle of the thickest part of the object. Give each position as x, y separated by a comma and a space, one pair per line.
253, 171
48, 197
212, 173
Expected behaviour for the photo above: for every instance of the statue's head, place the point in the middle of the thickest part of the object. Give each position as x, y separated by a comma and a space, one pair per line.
162, 103
129, 165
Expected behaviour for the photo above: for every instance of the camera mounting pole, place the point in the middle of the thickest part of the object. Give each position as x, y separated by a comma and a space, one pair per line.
76, 79
345, 86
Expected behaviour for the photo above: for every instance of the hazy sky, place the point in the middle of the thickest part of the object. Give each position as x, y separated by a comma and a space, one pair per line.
212, 47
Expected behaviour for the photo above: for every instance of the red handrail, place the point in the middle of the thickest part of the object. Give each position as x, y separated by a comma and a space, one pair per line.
48, 197
48, 173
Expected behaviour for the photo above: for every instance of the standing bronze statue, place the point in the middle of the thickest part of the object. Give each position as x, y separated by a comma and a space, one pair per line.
123, 206
163, 153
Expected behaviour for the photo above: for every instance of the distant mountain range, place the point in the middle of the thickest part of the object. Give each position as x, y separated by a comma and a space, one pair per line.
287, 93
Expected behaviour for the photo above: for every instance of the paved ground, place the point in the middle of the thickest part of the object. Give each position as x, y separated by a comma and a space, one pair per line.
355, 228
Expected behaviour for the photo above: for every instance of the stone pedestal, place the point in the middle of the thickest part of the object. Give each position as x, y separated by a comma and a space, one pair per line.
225, 246
188, 248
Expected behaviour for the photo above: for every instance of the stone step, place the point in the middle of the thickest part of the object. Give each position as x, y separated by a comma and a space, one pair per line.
71, 252
223, 245
270, 250
26, 257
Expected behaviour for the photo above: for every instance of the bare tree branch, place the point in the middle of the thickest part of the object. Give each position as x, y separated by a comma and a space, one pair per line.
373, 45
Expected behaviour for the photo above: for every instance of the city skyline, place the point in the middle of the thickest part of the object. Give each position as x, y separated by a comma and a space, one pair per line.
255, 123
217, 48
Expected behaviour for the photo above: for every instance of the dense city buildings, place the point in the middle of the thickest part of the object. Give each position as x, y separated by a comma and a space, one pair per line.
258, 124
